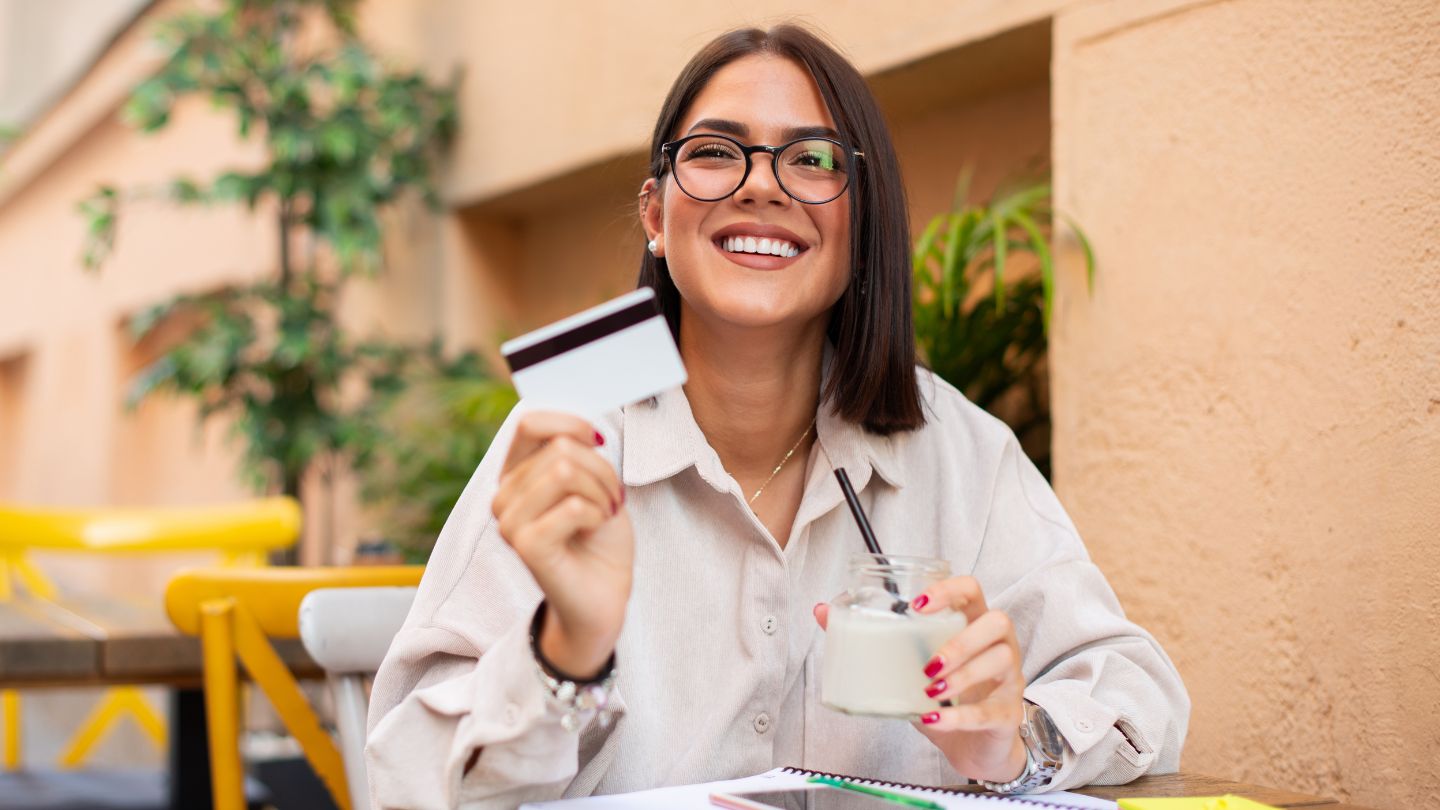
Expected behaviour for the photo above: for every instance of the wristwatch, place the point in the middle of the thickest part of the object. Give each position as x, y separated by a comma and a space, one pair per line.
1044, 754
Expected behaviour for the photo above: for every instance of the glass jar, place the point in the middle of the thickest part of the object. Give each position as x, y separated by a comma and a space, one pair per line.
876, 646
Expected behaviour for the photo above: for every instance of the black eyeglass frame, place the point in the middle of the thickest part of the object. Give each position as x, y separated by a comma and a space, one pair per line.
670, 149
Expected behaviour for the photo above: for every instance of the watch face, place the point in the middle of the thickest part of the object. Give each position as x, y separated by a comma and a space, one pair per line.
1052, 745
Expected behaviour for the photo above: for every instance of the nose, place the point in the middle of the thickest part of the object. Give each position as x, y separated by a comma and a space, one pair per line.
763, 185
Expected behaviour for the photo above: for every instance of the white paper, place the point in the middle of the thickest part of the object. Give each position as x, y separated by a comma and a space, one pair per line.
697, 797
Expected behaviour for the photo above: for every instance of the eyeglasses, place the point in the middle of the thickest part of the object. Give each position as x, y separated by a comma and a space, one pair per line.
710, 168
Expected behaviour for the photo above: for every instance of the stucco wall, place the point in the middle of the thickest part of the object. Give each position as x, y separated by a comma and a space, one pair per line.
1247, 409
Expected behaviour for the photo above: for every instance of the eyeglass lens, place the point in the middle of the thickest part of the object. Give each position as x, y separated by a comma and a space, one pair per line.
712, 168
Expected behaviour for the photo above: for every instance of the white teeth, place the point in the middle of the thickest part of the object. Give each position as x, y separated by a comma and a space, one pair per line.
761, 245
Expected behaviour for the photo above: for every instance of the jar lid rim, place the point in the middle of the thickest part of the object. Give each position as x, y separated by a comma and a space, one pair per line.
866, 560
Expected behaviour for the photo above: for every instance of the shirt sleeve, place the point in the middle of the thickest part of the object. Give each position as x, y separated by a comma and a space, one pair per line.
1113, 694
458, 714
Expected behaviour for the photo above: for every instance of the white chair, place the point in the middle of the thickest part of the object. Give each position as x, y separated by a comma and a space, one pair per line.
347, 631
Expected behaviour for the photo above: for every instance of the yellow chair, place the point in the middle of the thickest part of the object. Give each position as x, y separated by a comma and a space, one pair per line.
243, 533
235, 613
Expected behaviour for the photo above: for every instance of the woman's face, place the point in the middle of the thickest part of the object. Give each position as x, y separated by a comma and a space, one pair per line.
757, 99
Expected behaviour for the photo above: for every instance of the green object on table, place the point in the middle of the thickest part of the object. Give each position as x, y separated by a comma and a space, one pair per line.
899, 798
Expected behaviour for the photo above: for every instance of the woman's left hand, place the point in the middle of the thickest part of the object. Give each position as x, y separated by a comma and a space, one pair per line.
978, 670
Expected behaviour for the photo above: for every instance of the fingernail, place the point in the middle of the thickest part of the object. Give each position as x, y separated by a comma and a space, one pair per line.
935, 688
933, 668
929, 718
599, 440
920, 601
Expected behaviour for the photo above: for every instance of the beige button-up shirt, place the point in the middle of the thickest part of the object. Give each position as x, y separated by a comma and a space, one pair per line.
719, 659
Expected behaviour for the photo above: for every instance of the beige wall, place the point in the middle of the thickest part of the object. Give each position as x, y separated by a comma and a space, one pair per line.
1247, 410
1247, 407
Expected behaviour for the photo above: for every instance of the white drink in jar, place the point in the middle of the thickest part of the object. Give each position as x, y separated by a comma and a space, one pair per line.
875, 659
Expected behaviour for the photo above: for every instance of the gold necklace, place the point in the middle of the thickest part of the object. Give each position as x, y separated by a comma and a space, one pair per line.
776, 472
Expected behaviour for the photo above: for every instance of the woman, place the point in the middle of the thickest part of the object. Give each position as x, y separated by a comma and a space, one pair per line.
680, 544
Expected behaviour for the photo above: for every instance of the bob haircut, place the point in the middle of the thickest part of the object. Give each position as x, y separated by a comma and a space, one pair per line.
872, 378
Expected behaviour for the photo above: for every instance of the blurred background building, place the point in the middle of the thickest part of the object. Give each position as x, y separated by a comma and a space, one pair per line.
1246, 405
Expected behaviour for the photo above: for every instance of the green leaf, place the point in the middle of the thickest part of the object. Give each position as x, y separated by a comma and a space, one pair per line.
1001, 243
949, 264
1041, 247
184, 190
1086, 249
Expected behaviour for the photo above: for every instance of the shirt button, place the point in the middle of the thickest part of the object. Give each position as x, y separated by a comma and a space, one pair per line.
512, 714
762, 723
1084, 725
769, 625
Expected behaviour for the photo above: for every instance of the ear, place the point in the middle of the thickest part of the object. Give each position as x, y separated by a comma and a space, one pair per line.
652, 214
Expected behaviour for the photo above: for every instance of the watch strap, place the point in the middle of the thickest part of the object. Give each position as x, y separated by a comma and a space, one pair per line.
1040, 768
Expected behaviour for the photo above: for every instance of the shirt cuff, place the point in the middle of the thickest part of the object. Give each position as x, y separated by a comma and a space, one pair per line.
509, 716
1084, 723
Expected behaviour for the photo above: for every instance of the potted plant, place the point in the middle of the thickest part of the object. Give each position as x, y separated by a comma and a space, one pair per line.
984, 281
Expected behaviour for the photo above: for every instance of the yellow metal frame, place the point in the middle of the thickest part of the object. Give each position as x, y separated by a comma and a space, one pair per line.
118, 702
235, 613
243, 533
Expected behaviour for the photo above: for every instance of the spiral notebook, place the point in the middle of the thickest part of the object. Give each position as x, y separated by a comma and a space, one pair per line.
697, 797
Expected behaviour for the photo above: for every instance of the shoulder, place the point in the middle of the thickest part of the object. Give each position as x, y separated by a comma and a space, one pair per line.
954, 424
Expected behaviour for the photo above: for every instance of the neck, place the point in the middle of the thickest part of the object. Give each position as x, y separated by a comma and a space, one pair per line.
753, 391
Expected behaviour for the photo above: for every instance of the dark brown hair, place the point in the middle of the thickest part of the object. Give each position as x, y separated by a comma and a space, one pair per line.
872, 380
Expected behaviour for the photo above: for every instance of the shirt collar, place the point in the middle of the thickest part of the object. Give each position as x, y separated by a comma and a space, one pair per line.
662, 439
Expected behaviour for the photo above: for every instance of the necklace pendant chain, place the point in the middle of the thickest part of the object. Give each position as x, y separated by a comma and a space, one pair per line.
781, 465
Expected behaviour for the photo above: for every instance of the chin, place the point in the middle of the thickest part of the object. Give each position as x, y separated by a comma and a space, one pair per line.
757, 311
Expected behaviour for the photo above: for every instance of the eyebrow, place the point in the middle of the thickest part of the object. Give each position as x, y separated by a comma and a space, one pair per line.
739, 130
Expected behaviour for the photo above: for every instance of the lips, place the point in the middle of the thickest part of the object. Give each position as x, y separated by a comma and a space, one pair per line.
764, 247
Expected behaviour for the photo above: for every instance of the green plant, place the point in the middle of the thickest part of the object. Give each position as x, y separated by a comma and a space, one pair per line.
984, 289
345, 138
437, 432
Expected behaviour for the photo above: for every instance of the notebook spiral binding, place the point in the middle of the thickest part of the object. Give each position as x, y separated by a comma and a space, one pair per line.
881, 783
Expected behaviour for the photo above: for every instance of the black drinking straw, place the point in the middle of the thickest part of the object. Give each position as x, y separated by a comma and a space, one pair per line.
868, 534
859, 512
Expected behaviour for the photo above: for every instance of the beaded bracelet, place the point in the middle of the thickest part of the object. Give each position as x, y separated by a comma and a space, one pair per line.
576, 696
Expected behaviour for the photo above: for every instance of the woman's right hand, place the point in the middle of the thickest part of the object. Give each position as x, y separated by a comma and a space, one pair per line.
560, 505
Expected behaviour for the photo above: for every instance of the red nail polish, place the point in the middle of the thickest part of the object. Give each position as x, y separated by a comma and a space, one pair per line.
935, 688
599, 440
920, 601
933, 668
929, 718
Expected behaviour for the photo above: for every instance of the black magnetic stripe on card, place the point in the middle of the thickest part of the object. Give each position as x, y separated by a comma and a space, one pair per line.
583, 334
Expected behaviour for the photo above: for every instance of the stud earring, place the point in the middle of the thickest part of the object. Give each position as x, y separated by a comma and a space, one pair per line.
652, 247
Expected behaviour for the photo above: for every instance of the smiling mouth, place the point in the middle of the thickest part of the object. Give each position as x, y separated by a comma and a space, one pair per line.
759, 245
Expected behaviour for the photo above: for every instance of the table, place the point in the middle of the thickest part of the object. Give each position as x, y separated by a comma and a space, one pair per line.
1194, 784
90, 640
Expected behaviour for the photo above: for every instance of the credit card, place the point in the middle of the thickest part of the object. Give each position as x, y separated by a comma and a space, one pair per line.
598, 360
